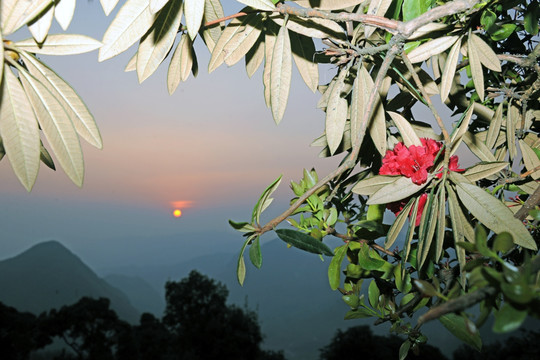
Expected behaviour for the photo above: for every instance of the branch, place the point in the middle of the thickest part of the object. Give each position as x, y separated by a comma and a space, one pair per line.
466, 301
529, 204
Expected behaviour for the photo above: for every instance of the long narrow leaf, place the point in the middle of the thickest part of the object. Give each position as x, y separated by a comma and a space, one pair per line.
281, 74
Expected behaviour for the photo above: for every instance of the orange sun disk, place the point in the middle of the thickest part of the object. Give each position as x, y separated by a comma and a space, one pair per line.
177, 213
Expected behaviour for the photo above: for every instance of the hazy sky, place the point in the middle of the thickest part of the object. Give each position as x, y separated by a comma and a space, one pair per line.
212, 143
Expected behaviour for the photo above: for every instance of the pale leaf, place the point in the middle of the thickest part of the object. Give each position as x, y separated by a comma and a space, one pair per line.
194, 11
478, 148
181, 63
156, 5
400, 189
427, 29
39, 27
530, 159
377, 122
512, 116
218, 55
269, 42
358, 120
57, 127
60, 44
336, 113
242, 42
259, 4
108, 6
476, 69
1, 69
432, 47
487, 55
494, 127
458, 230
303, 50
405, 129
63, 12
494, 214
312, 27
15, 14
132, 64
328, 4
78, 112
281, 73
379, 8
396, 227
449, 71
131, 22
19, 130
457, 137
155, 45
483, 170
212, 11
255, 56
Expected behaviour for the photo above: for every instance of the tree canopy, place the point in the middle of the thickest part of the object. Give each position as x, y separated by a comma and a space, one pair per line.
458, 237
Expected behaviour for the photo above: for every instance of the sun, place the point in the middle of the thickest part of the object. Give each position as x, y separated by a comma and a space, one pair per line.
177, 213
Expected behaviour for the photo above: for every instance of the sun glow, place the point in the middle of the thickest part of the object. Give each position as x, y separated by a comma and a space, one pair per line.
177, 213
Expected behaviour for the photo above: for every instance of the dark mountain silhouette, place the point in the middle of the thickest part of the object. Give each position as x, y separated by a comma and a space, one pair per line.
48, 276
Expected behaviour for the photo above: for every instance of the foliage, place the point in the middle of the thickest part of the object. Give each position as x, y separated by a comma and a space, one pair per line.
391, 57
197, 324
377, 347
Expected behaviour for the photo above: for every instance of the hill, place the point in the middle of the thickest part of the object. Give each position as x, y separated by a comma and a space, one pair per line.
48, 276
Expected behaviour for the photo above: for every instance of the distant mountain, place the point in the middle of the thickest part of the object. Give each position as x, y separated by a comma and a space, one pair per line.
141, 294
49, 276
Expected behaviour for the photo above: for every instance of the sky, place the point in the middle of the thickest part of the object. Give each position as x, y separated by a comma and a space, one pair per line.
212, 145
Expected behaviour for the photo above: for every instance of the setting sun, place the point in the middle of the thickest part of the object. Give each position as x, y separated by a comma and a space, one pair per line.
177, 213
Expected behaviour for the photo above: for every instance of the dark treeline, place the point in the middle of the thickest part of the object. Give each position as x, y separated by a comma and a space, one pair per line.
197, 324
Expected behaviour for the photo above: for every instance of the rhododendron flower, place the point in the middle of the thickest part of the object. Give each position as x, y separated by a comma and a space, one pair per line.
414, 162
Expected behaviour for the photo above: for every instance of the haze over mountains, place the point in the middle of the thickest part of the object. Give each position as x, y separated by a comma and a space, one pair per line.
297, 310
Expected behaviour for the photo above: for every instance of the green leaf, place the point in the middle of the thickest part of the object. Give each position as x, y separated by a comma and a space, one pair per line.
425, 288
241, 265
458, 327
194, 11
414, 8
400, 189
281, 74
508, 319
360, 313
488, 19
19, 130
503, 242
530, 19
368, 260
494, 214
255, 254
373, 294
155, 44
503, 32
304, 242
60, 44
263, 200
334, 269
404, 349
130, 24
242, 226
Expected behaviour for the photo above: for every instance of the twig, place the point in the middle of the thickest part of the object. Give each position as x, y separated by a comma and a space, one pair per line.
528, 205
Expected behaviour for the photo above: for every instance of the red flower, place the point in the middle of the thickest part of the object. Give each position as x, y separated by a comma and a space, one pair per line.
414, 162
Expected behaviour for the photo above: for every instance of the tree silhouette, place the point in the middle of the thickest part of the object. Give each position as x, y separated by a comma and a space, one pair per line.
203, 326
345, 346
522, 346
